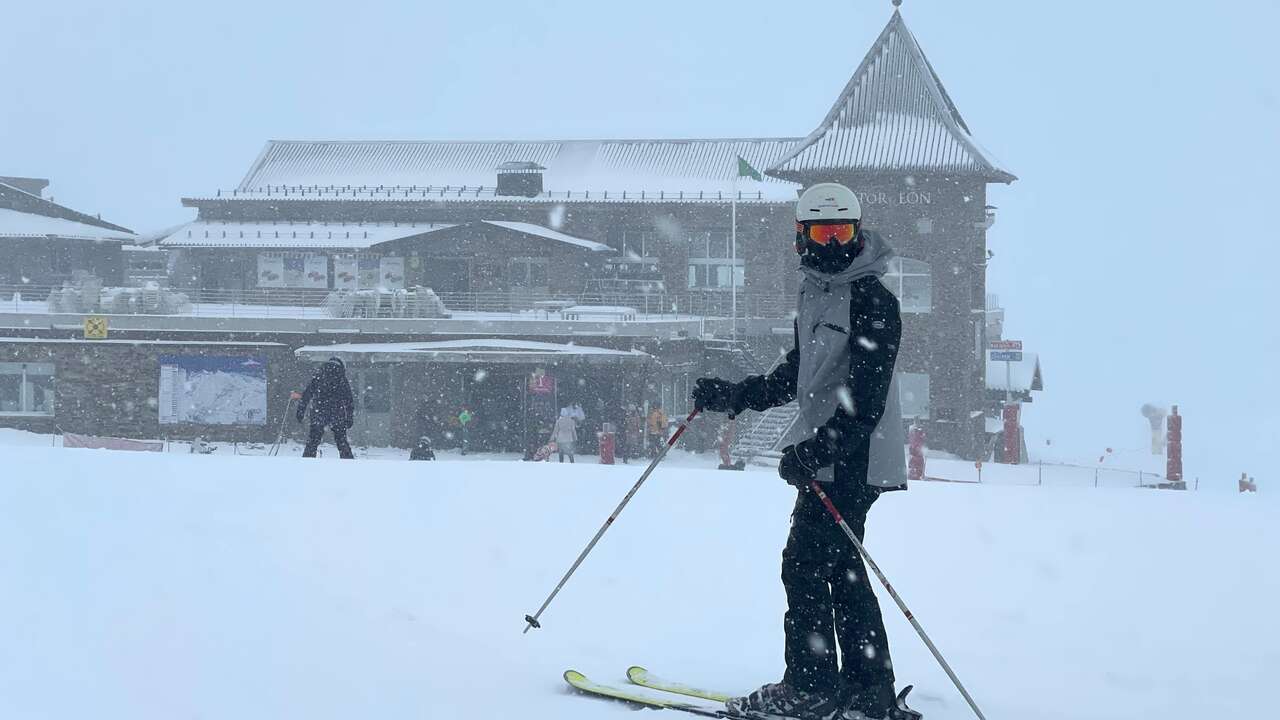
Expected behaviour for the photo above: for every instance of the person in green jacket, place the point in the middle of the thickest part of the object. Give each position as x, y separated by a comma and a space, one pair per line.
464, 427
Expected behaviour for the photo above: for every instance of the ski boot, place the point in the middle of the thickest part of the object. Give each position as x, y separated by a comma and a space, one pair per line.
880, 704
782, 701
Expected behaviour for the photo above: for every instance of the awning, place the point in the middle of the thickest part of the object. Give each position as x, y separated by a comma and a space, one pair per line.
549, 234
18, 224
1015, 376
493, 351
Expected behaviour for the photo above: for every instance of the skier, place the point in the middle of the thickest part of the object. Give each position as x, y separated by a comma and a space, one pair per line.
332, 407
565, 433
846, 343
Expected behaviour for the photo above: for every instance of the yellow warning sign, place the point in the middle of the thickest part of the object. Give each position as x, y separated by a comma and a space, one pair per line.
95, 327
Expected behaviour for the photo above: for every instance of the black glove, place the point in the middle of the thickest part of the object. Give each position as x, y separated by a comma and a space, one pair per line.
800, 464
716, 395
301, 412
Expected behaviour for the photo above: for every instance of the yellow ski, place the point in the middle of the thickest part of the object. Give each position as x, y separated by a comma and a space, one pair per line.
582, 683
644, 678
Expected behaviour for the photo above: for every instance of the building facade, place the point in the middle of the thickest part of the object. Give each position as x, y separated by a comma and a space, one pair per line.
684, 244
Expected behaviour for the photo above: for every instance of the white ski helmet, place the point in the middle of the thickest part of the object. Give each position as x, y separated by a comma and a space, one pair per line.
828, 201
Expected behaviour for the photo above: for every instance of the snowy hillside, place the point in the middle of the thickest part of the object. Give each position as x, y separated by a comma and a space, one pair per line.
158, 586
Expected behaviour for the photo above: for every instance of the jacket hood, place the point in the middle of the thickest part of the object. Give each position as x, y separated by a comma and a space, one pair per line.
873, 260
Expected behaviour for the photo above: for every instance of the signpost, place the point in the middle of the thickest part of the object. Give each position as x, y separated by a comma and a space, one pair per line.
1009, 352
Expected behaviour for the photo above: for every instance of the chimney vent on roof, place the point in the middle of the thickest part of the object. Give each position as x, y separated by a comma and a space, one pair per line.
520, 179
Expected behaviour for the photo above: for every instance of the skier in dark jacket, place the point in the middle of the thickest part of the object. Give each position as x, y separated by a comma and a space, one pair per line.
841, 369
331, 406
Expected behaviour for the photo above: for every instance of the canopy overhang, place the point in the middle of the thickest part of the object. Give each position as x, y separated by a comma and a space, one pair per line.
489, 352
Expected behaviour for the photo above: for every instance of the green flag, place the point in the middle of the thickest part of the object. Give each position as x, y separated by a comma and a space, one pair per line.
745, 170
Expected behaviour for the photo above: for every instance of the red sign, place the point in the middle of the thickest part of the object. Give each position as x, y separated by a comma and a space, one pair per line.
1005, 345
541, 384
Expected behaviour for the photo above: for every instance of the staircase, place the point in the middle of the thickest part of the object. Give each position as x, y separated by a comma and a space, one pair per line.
732, 355
766, 435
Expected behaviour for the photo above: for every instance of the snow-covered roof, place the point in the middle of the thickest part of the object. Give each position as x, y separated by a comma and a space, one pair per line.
490, 350
667, 167
548, 233
1019, 376
18, 224
206, 233
892, 115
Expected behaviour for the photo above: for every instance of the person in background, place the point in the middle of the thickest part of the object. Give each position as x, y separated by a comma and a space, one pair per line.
329, 394
657, 429
464, 427
565, 434
632, 433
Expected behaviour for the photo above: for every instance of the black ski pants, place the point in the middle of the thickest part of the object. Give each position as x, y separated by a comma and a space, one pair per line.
339, 439
830, 599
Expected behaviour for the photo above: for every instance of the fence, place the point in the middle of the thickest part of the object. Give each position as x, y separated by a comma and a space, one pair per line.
1041, 473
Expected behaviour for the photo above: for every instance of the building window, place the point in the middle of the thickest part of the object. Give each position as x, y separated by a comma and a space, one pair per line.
913, 395
26, 388
910, 280
529, 272
710, 265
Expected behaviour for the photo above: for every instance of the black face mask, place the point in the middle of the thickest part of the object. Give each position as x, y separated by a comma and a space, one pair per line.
831, 258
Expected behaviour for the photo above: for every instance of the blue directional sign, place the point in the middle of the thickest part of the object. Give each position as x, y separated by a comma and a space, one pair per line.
1006, 356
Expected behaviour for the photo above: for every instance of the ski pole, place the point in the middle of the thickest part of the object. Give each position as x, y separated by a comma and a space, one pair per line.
532, 620
275, 449
831, 508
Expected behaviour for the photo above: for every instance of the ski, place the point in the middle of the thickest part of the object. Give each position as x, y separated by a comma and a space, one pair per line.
584, 684
644, 678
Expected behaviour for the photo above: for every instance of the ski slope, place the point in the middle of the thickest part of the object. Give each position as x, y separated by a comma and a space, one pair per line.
158, 586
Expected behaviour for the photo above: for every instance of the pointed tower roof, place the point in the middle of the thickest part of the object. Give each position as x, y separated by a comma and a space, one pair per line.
892, 115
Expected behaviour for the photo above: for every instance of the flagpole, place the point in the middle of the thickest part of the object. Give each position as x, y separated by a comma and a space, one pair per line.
733, 262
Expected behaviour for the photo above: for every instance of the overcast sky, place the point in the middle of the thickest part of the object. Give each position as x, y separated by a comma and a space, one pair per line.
1137, 251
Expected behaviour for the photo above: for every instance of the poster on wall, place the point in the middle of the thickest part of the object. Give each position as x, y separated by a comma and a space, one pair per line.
294, 270
391, 273
369, 271
316, 272
346, 273
213, 390
270, 270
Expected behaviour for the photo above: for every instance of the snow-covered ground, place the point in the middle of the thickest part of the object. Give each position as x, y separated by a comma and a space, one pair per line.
149, 585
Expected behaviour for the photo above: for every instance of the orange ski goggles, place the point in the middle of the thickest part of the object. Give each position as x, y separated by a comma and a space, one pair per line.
839, 233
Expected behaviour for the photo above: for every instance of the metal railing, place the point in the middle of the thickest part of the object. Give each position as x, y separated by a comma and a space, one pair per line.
300, 302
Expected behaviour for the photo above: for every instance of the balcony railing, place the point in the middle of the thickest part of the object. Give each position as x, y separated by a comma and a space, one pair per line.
303, 303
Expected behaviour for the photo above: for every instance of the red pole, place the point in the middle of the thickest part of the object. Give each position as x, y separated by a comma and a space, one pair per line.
915, 466
1012, 440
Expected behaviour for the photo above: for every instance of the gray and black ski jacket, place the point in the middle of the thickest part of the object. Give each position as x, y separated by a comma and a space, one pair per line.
848, 327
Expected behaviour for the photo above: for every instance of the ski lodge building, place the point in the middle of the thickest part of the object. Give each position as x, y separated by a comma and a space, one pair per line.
447, 273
